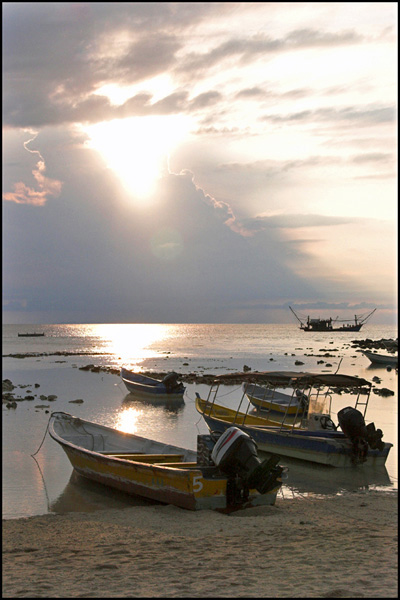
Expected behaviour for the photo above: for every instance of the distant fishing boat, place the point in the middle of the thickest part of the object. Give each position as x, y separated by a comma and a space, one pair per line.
30, 334
309, 324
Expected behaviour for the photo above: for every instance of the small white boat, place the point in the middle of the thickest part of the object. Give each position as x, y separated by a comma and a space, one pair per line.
225, 474
381, 359
169, 388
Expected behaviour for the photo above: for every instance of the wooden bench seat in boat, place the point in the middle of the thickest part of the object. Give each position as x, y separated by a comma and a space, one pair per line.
180, 465
147, 458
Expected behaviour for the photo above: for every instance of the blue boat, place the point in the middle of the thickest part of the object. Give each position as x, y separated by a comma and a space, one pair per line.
169, 388
314, 437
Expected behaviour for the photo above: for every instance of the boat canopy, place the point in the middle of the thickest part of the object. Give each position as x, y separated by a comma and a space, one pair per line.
298, 379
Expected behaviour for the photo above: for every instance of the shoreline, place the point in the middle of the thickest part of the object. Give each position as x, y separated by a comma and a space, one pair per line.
341, 546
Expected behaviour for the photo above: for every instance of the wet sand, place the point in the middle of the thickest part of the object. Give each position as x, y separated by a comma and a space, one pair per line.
337, 547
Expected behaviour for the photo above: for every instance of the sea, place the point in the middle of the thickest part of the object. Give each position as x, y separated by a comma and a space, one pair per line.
37, 476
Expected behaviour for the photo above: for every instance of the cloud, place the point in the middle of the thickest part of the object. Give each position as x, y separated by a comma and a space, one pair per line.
362, 116
46, 186
181, 261
254, 92
269, 153
295, 221
205, 99
261, 45
56, 60
222, 209
273, 169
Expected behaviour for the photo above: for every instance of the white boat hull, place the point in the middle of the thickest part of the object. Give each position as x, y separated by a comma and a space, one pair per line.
381, 359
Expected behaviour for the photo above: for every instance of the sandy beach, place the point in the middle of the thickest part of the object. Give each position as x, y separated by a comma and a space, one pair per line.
338, 547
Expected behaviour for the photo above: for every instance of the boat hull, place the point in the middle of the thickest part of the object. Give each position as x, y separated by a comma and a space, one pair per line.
166, 485
30, 334
381, 359
146, 387
272, 401
185, 484
350, 328
234, 417
328, 448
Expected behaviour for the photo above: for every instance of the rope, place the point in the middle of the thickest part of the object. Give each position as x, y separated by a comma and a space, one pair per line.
197, 422
231, 392
33, 455
44, 483
89, 433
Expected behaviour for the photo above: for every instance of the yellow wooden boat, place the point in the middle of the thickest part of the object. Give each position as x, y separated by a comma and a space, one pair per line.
236, 417
267, 399
164, 472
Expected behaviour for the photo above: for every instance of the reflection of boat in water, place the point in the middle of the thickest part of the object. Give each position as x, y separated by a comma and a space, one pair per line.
383, 360
313, 478
224, 474
318, 324
83, 495
315, 437
171, 405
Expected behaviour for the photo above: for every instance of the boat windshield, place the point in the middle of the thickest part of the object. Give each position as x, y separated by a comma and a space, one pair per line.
319, 404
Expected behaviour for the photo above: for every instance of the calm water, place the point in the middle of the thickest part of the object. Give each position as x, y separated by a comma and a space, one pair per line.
32, 487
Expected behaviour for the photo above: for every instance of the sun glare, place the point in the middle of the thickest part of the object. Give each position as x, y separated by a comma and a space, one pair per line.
131, 343
127, 420
137, 149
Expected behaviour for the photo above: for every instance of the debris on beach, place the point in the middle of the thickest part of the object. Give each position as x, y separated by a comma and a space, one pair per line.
7, 385
383, 344
383, 392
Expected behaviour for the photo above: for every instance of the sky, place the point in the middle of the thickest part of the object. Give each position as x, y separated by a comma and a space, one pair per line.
202, 162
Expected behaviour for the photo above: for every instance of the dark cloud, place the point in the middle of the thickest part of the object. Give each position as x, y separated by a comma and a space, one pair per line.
295, 221
360, 116
157, 258
372, 157
144, 58
272, 169
253, 47
205, 99
254, 92
55, 57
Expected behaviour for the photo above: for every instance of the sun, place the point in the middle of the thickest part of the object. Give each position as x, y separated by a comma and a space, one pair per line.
137, 148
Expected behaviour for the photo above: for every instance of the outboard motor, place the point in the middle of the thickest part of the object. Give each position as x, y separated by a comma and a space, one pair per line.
375, 437
172, 384
353, 426
235, 453
352, 423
